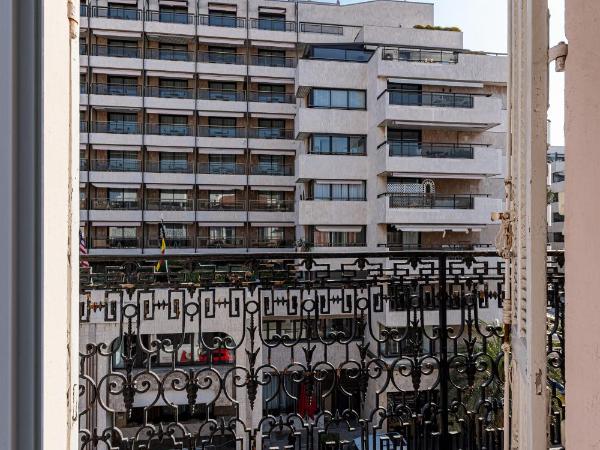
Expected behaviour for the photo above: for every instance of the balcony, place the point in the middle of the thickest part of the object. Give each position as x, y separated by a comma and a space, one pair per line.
410, 158
272, 243
460, 112
239, 309
116, 12
327, 121
270, 133
116, 243
269, 24
115, 165
222, 168
115, 95
215, 20
169, 166
115, 56
171, 243
229, 242
215, 131
221, 100
454, 211
174, 17
114, 205
272, 206
283, 170
170, 205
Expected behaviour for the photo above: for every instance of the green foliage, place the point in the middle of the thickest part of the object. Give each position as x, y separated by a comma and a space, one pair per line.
437, 28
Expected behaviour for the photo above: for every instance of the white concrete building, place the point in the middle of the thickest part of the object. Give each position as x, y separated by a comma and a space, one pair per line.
262, 125
556, 197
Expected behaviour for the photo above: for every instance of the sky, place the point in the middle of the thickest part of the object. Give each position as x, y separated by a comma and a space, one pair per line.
484, 26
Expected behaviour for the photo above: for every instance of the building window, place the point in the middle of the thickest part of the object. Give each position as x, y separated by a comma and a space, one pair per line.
123, 161
271, 129
171, 199
170, 125
219, 90
118, 86
174, 14
221, 18
123, 199
340, 191
340, 54
122, 237
271, 93
122, 123
351, 236
337, 98
173, 88
173, 52
173, 162
122, 11
222, 127
271, 21
327, 144
271, 58
121, 49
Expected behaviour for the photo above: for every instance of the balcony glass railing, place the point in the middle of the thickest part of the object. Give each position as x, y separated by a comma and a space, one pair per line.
271, 133
222, 168
217, 20
419, 55
130, 90
221, 242
215, 205
273, 24
221, 94
169, 166
221, 131
321, 28
169, 129
83, 164
432, 201
169, 92
116, 242
221, 58
169, 54
427, 150
178, 242
276, 170
115, 165
117, 12
116, 51
84, 10
83, 126
83, 49
272, 61
169, 205
272, 97
272, 243
170, 17
116, 127
274, 206
106, 203
437, 99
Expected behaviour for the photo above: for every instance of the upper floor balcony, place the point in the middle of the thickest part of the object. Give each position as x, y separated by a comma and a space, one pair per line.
115, 132
435, 64
461, 112
411, 158
471, 211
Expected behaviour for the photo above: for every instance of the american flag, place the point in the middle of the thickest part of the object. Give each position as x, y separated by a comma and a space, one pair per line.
82, 251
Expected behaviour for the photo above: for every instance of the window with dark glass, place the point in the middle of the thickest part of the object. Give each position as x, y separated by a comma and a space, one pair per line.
123, 161
118, 85
340, 54
222, 164
268, 235
339, 191
337, 98
222, 126
326, 237
271, 93
122, 236
222, 55
121, 48
122, 123
173, 52
173, 198
337, 144
271, 200
270, 165
271, 21
219, 90
173, 14
122, 198
173, 88
271, 128
173, 162
122, 11
222, 18
173, 125
271, 58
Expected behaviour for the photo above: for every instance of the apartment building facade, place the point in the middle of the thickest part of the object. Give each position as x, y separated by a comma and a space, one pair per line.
556, 193
268, 126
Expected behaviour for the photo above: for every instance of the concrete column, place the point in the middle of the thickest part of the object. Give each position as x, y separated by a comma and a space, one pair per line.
582, 216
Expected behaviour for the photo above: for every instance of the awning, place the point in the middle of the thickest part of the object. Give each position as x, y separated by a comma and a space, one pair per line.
178, 112
272, 80
219, 187
183, 187
273, 115
271, 44
111, 33
220, 113
432, 82
124, 72
170, 149
116, 224
207, 40
272, 224
221, 151
117, 185
214, 76
117, 148
221, 224
272, 152
273, 188
438, 228
340, 228
163, 73
339, 181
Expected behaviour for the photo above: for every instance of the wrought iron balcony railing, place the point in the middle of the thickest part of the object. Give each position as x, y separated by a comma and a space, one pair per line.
274, 170
437, 99
325, 350
169, 205
116, 165
212, 205
273, 24
434, 201
216, 20
273, 206
428, 150
222, 168
169, 166
302, 351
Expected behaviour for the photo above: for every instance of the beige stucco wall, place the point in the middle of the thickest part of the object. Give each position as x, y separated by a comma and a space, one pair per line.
582, 115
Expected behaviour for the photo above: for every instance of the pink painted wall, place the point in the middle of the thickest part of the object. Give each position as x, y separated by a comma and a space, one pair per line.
582, 201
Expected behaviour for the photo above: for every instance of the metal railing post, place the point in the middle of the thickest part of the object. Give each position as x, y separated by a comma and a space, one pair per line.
444, 373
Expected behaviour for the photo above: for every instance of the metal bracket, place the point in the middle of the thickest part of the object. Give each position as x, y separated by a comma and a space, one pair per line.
559, 53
